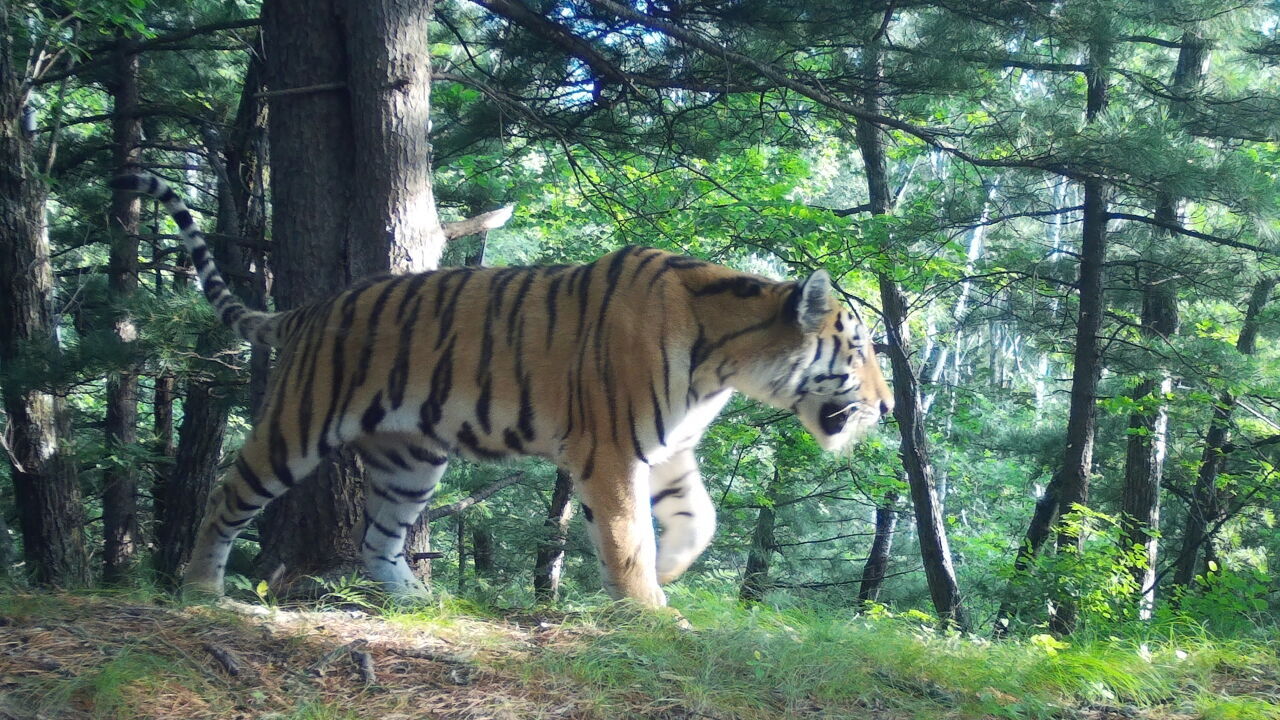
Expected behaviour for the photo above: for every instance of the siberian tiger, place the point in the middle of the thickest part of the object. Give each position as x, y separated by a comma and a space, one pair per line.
611, 370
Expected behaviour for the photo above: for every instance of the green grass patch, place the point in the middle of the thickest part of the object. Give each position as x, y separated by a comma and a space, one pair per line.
762, 662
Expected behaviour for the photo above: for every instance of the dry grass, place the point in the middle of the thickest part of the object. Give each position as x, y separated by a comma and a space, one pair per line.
98, 657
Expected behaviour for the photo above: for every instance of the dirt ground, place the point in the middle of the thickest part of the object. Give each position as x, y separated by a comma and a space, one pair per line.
94, 657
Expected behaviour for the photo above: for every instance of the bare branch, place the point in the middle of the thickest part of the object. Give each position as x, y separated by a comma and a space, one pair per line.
479, 223
475, 497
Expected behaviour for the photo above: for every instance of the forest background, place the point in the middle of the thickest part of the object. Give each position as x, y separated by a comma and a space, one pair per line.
1061, 219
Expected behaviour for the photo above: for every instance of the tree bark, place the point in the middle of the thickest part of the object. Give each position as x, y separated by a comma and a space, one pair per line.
1206, 507
392, 223
881, 545
935, 551
46, 490
549, 562
120, 479
337, 219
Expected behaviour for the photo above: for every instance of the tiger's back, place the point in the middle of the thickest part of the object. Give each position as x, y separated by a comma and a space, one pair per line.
612, 370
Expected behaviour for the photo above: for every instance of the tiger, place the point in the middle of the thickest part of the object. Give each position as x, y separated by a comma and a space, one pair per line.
611, 370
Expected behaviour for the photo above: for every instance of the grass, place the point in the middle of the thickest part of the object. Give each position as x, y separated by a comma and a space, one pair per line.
766, 663
120, 656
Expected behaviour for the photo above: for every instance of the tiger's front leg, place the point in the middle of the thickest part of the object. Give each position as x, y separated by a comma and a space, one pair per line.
685, 512
615, 505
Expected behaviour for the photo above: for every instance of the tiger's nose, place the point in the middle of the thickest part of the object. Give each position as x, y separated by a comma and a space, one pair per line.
886, 407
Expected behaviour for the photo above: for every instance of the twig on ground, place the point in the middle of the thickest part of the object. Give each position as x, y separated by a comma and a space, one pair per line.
364, 663
224, 658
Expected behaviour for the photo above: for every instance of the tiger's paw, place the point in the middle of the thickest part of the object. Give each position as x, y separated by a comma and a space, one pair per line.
201, 592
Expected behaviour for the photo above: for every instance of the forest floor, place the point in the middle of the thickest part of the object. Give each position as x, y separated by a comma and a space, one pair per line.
102, 656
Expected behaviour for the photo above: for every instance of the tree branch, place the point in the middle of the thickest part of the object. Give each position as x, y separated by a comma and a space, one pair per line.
1175, 227
478, 496
479, 223
104, 53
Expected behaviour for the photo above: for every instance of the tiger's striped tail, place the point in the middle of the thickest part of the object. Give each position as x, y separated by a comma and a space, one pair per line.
257, 327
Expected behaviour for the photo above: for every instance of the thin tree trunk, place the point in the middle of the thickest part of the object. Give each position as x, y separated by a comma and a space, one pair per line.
482, 550
1082, 415
755, 580
162, 414
881, 546
1070, 484
120, 480
1206, 508
1145, 451
549, 562
1148, 437
46, 490
209, 397
935, 551
460, 522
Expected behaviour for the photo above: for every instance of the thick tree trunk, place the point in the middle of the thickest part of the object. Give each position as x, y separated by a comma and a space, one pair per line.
392, 223
46, 490
549, 562
338, 219
935, 551
1206, 509
209, 397
881, 546
120, 480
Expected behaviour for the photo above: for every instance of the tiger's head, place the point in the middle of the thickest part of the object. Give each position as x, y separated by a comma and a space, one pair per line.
823, 366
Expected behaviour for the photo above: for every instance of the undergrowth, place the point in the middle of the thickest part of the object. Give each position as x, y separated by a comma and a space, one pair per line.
592, 659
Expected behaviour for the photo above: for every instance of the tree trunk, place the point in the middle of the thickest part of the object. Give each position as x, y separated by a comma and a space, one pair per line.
1082, 415
935, 551
549, 562
162, 414
46, 490
1145, 452
755, 580
195, 467
1148, 427
337, 219
1206, 509
1070, 484
392, 223
878, 560
482, 552
209, 398
120, 480
460, 522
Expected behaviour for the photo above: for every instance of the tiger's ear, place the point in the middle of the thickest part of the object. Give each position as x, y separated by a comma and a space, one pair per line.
810, 302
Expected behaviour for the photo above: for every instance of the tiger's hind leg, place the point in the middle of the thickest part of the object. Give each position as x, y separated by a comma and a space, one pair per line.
264, 470
402, 477
684, 509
